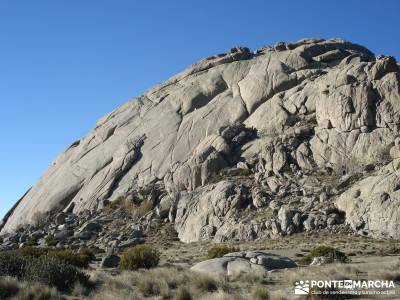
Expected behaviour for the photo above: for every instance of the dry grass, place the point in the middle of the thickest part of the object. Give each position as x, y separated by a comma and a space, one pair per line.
390, 275
171, 283
136, 209
327, 272
11, 288
8, 287
260, 293
183, 293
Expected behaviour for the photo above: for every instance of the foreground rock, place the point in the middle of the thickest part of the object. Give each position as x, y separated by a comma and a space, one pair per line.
244, 262
295, 137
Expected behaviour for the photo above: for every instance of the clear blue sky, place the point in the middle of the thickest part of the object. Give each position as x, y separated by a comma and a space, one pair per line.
65, 63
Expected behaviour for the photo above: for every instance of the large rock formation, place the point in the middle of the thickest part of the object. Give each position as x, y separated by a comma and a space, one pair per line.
242, 130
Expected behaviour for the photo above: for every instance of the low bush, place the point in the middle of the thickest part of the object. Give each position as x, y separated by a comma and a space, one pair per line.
44, 269
142, 209
12, 264
80, 259
88, 253
75, 259
117, 203
32, 242
326, 251
220, 250
51, 241
53, 272
152, 286
140, 256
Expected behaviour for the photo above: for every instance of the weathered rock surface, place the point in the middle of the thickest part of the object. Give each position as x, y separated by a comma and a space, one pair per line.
244, 262
239, 146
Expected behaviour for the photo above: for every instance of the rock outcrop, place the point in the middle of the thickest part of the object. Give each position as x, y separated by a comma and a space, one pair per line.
294, 137
254, 262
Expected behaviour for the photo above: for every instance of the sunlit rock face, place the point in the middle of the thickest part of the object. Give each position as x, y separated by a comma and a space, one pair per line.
294, 108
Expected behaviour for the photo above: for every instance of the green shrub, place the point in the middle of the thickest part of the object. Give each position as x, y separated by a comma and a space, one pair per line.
80, 260
53, 272
70, 257
325, 251
12, 264
140, 256
220, 250
260, 293
88, 253
43, 268
51, 241
244, 172
30, 251
32, 242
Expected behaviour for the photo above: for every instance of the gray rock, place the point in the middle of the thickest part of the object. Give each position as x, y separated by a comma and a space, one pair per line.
285, 216
64, 234
260, 198
163, 208
60, 218
321, 260
130, 242
110, 261
244, 262
273, 111
91, 227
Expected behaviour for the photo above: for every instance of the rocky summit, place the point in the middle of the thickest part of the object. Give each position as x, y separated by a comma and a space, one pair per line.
243, 145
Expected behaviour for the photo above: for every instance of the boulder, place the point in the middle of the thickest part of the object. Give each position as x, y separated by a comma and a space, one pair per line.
244, 262
110, 261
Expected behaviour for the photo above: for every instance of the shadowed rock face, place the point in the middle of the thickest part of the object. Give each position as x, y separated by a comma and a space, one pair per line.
297, 108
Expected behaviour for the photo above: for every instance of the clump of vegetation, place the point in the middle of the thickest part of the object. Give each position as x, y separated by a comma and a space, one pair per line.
32, 242
140, 256
260, 293
117, 203
134, 205
220, 250
54, 272
394, 275
244, 172
80, 259
12, 264
183, 294
44, 269
152, 286
51, 241
144, 207
325, 251
205, 283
